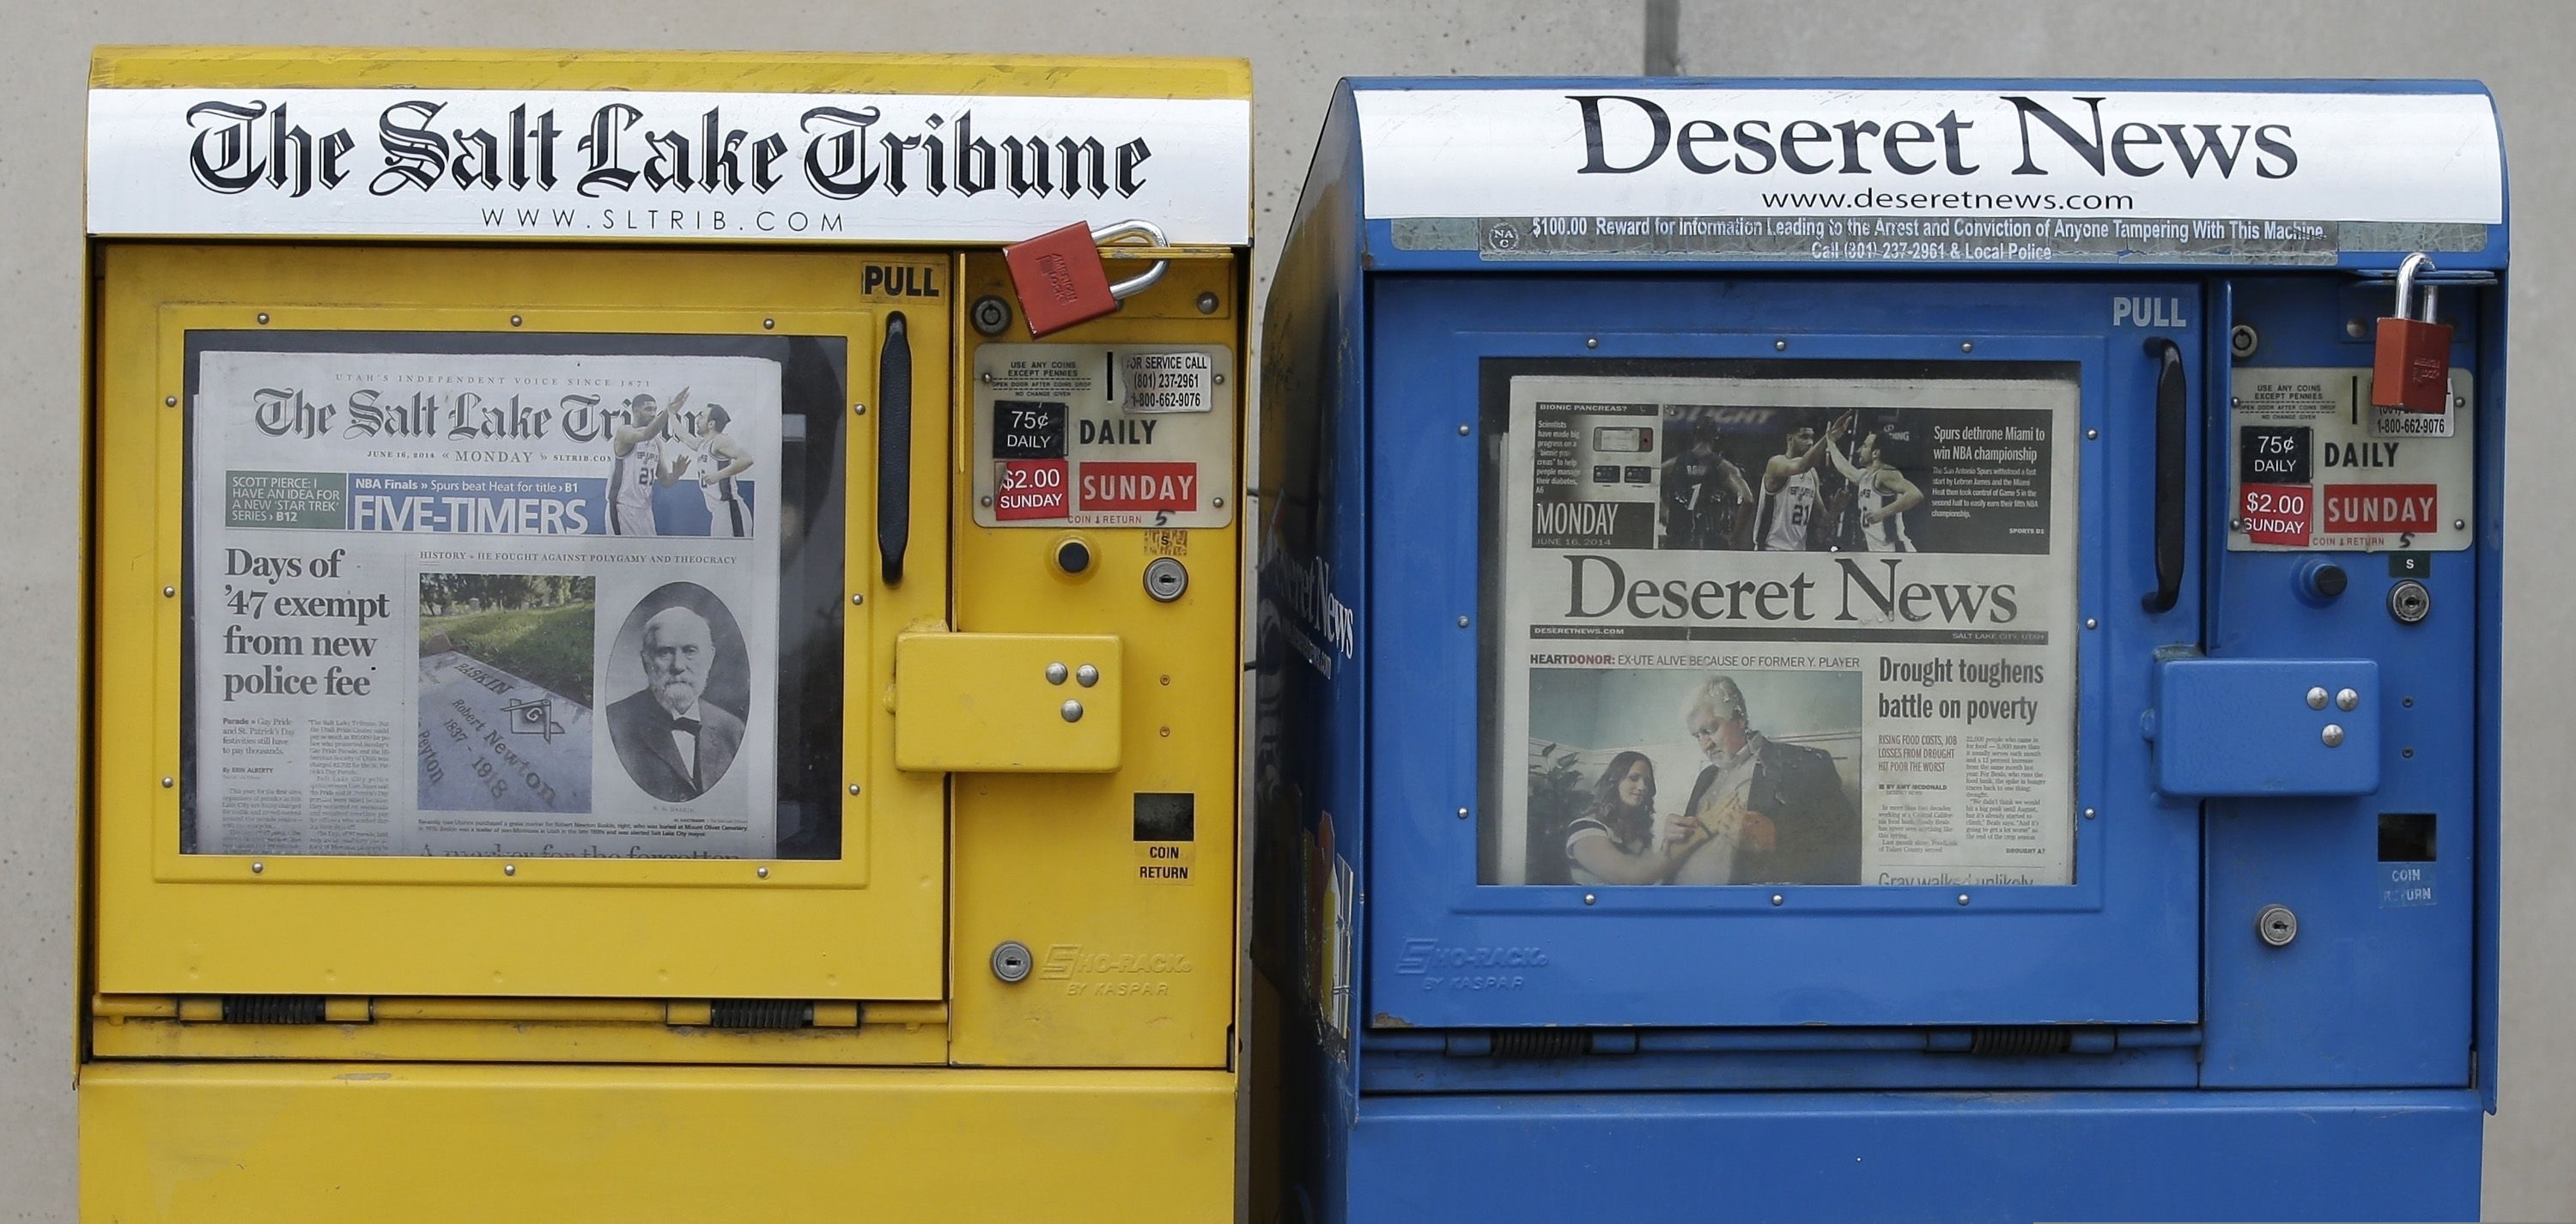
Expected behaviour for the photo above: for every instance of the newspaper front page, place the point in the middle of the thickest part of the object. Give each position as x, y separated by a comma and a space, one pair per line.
1771, 630
503, 603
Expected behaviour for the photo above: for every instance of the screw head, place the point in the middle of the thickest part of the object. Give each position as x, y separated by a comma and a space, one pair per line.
1056, 672
2355, 329
2347, 700
1073, 711
1086, 675
987, 499
1207, 303
1217, 502
2316, 699
2459, 524
2332, 735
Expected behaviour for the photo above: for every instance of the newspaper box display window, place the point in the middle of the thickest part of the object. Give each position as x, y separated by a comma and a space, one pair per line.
1877, 641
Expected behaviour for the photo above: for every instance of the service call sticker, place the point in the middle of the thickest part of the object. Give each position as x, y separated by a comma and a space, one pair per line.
1103, 435
2312, 466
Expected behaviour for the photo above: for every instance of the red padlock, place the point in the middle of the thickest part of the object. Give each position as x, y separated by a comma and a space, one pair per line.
2410, 366
1062, 281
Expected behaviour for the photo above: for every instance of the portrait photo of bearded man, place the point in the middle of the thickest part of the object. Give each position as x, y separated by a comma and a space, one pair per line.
674, 743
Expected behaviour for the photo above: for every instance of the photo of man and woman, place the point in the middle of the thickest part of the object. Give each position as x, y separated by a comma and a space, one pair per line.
1641, 776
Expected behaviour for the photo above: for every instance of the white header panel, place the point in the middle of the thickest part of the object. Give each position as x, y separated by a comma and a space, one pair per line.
630, 165
1615, 151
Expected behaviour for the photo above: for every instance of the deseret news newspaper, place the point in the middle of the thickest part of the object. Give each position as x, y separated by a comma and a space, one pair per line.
503, 603
1771, 630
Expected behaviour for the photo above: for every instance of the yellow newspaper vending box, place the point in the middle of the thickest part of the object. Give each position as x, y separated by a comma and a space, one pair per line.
624, 680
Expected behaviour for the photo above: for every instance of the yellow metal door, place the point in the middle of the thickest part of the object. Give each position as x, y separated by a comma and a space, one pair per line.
842, 901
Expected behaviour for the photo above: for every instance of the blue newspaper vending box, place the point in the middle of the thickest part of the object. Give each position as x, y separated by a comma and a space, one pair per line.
1884, 650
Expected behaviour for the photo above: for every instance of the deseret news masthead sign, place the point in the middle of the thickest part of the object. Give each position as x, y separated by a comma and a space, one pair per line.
635, 165
1613, 151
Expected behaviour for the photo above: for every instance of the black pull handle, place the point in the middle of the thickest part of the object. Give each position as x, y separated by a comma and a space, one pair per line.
894, 449
2172, 403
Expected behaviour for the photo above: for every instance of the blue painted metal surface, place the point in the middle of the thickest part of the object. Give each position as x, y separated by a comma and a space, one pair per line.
1843, 1054
2267, 727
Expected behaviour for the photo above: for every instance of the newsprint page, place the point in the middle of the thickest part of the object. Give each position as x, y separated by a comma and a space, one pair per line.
509, 603
1785, 630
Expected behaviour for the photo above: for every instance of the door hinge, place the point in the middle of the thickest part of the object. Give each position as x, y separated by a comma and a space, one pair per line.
1525, 1044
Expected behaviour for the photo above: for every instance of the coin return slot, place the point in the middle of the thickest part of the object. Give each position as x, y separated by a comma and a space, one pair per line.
2406, 837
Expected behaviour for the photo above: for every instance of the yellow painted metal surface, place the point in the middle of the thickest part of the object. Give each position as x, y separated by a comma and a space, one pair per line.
1008, 702
142, 67
395, 1143
1134, 940
867, 926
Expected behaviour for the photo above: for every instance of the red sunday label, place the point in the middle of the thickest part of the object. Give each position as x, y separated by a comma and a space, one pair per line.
1030, 489
2276, 513
2382, 507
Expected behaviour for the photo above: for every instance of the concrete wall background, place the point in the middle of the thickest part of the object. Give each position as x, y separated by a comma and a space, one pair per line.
2521, 49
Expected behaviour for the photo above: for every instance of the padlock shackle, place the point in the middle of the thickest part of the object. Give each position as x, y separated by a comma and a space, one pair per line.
1135, 228
2406, 272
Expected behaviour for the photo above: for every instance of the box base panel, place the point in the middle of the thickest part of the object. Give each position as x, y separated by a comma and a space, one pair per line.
1915, 1156
417, 1142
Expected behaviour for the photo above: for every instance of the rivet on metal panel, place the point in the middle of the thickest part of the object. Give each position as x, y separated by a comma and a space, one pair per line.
2089, 813
2091, 623
169, 401
763, 873
2316, 699
1779, 346
2459, 524
1462, 813
263, 318
256, 868
2236, 525
509, 869
1219, 379
987, 500
1462, 622
2332, 735
1462, 431
169, 592
1967, 346
854, 788
1217, 502
1086, 675
1056, 672
516, 321
857, 598
167, 783
858, 410
2092, 434
2355, 329
1588, 898
1777, 899
1207, 303
1073, 711
1592, 342
2347, 700
987, 376
1963, 898
769, 325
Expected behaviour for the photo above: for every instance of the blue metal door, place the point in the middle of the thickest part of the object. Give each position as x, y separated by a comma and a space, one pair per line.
1456, 940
